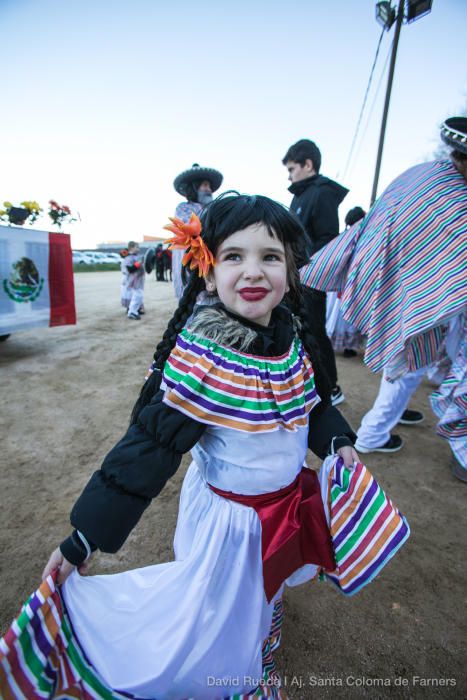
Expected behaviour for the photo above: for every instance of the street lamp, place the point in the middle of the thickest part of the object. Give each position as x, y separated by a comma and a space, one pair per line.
417, 8
385, 14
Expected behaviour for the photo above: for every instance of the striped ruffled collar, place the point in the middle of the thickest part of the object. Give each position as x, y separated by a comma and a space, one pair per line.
218, 385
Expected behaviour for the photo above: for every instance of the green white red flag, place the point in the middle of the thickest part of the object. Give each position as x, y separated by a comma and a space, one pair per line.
36, 279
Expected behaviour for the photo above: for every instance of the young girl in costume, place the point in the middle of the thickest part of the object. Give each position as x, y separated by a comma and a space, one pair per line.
239, 383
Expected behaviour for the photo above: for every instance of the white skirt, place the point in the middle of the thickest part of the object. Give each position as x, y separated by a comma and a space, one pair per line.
192, 628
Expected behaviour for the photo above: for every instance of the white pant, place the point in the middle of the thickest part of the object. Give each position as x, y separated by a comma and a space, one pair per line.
136, 301
387, 409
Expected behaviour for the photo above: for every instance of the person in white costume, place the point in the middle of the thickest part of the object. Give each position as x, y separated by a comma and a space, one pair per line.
125, 295
134, 268
241, 387
389, 409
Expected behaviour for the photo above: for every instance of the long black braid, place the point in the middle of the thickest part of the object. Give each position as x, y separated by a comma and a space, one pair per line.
177, 323
164, 348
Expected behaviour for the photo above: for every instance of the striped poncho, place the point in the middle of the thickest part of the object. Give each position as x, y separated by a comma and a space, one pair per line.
401, 270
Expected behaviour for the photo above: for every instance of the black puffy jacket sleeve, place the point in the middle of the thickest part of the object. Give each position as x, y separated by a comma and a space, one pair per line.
324, 424
134, 472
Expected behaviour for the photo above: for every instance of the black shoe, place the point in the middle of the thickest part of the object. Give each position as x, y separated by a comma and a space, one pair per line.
394, 444
410, 417
141, 311
134, 317
337, 396
349, 353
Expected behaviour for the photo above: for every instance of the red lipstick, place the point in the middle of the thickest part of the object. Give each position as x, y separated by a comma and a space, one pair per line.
253, 293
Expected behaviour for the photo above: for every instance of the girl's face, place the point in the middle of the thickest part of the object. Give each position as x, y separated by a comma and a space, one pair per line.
250, 274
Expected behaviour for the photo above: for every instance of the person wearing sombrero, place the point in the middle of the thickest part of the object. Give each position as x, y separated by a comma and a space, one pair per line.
401, 273
197, 185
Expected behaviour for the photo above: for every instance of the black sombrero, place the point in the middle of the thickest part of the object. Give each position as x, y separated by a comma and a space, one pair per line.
149, 260
454, 133
196, 172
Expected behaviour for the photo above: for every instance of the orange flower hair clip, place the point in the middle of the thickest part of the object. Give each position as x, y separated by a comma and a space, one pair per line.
189, 236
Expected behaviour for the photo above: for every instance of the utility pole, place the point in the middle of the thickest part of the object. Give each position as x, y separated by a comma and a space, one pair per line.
399, 18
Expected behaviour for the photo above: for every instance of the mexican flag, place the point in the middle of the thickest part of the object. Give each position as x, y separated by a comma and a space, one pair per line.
36, 279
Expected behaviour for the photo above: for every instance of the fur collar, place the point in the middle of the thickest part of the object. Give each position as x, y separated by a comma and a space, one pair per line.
213, 323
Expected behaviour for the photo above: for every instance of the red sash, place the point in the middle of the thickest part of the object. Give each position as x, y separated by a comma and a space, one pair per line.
294, 531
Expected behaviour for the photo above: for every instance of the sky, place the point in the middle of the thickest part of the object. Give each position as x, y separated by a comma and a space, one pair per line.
104, 102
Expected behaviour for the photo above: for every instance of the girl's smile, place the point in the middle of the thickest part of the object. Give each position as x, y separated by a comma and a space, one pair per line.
250, 273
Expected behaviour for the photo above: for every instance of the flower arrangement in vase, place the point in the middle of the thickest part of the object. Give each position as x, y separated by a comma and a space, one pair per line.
59, 213
27, 211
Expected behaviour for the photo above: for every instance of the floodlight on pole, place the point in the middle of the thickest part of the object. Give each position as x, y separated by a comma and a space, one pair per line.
385, 14
417, 8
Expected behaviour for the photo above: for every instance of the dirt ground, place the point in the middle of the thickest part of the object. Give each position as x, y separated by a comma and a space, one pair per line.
66, 398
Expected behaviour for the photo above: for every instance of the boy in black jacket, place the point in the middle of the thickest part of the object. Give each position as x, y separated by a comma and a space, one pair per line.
315, 202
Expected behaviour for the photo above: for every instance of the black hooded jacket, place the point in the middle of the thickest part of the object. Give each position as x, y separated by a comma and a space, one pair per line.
316, 200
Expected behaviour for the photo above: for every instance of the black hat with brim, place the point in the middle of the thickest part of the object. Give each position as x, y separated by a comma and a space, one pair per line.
454, 133
196, 173
149, 260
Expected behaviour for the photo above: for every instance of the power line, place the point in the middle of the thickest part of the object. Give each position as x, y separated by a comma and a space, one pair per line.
370, 113
364, 103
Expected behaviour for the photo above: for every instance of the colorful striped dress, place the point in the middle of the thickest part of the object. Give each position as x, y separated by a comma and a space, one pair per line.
200, 626
401, 271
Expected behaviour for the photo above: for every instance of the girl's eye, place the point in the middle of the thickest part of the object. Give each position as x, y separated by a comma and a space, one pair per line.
272, 256
232, 256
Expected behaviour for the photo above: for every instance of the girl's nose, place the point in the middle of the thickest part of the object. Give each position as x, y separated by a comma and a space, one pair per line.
253, 270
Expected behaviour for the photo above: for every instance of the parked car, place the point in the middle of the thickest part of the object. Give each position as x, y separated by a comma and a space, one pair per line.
111, 258
98, 257
114, 257
93, 255
81, 258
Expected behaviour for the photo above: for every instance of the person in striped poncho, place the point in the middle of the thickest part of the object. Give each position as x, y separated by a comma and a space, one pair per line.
401, 275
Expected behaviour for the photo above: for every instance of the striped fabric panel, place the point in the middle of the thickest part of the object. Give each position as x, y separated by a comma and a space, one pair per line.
276, 625
366, 528
40, 657
271, 682
329, 272
402, 269
219, 386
